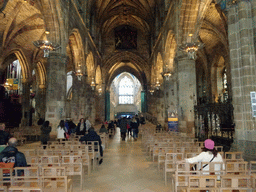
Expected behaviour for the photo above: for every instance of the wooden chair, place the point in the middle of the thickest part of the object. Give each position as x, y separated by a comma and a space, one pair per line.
170, 163
230, 183
162, 154
74, 166
234, 156
253, 182
252, 167
202, 182
53, 171
26, 179
182, 173
56, 184
237, 168
5, 175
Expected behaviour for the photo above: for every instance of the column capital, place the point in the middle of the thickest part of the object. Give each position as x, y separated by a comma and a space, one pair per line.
181, 55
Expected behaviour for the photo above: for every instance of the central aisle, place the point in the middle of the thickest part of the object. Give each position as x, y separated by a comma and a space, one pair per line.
125, 168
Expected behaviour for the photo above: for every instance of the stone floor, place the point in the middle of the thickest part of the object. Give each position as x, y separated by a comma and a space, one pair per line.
125, 168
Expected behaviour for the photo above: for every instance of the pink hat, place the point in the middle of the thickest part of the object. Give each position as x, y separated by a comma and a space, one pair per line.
209, 144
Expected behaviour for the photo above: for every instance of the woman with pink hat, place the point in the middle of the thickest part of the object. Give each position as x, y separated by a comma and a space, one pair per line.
209, 154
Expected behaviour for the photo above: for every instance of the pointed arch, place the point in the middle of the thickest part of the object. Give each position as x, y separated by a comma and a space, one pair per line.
90, 66
170, 50
159, 67
98, 77
77, 50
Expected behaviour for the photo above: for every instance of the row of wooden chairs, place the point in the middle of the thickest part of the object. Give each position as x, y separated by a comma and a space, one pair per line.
27, 179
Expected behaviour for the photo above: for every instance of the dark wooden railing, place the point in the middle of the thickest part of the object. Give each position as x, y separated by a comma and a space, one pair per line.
215, 121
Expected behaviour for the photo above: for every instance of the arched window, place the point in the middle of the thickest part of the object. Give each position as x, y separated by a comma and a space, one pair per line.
126, 91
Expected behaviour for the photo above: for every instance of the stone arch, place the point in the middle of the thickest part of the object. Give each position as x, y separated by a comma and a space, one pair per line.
75, 43
25, 69
129, 61
159, 67
90, 67
98, 77
170, 50
216, 76
41, 72
121, 67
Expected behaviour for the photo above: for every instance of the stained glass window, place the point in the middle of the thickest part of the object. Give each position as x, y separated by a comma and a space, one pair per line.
126, 90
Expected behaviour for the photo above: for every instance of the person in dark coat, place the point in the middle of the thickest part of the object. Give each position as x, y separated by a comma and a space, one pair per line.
81, 127
45, 132
138, 120
11, 154
4, 136
135, 128
123, 128
93, 136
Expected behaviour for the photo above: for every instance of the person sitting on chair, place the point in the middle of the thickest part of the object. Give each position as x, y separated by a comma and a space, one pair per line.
93, 136
11, 154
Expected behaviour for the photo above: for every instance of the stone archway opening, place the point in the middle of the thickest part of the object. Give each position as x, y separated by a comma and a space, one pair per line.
125, 95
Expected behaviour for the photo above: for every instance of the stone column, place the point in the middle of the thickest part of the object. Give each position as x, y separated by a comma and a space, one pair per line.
241, 34
186, 93
25, 102
40, 101
56, 89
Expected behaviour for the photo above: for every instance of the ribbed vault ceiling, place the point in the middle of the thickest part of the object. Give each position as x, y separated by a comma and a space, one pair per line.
136, 13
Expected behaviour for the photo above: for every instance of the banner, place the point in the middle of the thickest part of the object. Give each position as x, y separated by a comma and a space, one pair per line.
173, 121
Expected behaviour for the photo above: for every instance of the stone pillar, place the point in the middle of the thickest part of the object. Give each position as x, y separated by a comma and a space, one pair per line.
186, 93
241, 34
25, 102
56, 89
40, 101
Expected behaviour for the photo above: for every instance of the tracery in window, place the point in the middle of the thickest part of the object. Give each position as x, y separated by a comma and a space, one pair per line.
126, 91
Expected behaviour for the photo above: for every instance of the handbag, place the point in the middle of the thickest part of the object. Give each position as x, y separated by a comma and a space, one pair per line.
66, 135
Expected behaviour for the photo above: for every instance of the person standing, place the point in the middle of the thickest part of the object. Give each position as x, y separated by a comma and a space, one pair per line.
135, 128
61, 130
45, 132
123, 128
81, 127
4, 137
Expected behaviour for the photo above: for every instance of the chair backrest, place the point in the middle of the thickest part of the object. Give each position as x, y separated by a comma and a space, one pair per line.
50, 159
237, 168
253, 167
202, 181
5, 173
234, 156
53, 171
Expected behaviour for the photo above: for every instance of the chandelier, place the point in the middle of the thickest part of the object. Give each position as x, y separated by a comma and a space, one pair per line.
157, 85
166, 75
100, 90
191, 46
93, 84
46, 46
79, 74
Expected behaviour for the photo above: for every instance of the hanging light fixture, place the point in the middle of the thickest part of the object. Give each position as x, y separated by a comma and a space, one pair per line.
93, 84
46, 45
157, 85
166, 75
100, 90
79, 74
191, 46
